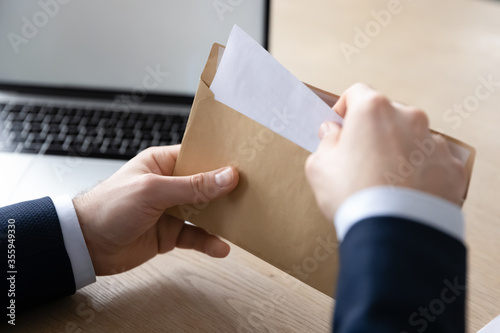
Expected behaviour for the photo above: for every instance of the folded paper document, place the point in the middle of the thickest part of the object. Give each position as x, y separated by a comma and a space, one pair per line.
252, 82
250, 112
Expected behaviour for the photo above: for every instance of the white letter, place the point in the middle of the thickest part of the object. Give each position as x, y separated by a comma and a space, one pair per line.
16, 40
27, 27
372, 32
361, 40
51, 7
471, 103
383, 17
40, 19
348, 50
221, 8
480, 95
394, 6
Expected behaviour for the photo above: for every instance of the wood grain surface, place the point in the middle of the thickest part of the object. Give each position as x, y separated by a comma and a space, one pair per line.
432, 54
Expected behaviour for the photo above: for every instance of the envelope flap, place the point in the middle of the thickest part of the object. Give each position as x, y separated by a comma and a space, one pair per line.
211, 67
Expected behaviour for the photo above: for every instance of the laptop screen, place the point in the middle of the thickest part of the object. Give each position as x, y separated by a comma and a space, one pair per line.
160, 46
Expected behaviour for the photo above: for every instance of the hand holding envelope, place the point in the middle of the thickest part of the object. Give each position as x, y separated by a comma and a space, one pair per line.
251, 113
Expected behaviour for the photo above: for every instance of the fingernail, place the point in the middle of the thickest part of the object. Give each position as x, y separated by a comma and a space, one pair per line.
324, 129
224, 178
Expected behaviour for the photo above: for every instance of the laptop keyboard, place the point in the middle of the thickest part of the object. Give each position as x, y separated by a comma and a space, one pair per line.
39, 129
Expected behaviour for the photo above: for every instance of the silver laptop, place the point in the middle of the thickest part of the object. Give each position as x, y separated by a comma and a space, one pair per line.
87, 84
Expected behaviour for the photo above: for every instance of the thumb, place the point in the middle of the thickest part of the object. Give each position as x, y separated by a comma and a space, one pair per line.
199, 188
329, 133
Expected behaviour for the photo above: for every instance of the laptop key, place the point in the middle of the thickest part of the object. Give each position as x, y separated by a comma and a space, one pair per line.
8, 147
16, 107
35, 127
54, 148
30, 150
33, 109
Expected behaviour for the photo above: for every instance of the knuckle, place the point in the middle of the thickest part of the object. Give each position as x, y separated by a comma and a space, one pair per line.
379, 101
146, 182
147, 152
438, 139
377, 105
359, 86
442, 138
443, 148
419, 122
198, 183
419, 116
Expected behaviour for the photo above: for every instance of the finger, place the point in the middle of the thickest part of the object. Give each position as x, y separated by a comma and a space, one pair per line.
330, 138
329, 128
198, 239
438, 138
168, 229
160, 160
415, 113
199, 188
399, 105
445, 148
354, 92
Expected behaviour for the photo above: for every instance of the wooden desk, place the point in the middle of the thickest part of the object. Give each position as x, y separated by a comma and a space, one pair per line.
431, 55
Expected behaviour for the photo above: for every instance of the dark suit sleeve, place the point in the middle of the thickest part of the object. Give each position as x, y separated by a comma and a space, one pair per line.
399, 276
42, 267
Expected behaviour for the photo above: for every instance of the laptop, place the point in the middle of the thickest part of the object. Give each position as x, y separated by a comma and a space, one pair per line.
85, 85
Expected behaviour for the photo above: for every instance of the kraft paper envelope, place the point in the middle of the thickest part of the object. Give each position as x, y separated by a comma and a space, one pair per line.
272, 212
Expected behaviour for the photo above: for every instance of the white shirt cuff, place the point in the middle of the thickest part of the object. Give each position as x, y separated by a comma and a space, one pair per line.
400, 202
83, 270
